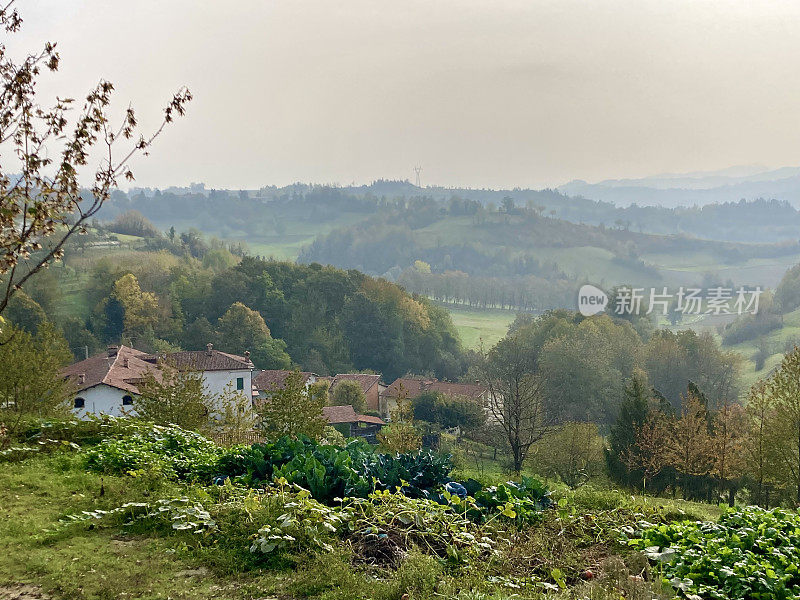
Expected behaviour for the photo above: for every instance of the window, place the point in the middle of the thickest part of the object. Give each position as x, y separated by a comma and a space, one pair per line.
127, 400
80, 402
240, 383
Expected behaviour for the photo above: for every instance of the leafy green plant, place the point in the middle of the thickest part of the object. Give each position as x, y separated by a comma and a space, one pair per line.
329, 472
173, 451
87, 431
179, 514
42, 446
749, 553
303, 524
520, 502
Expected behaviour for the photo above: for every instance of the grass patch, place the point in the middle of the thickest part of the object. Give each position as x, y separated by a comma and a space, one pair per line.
476, 327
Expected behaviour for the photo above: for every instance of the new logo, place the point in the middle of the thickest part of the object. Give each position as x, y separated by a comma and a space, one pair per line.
591, 300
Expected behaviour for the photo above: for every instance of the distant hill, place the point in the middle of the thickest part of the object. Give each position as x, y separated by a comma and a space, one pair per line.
699, 188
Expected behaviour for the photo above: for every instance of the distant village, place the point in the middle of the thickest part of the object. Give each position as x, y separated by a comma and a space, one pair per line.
106, 384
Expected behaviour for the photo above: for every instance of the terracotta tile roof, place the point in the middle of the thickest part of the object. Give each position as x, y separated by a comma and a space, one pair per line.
274, 379
365, 380
468, 390
414, 387
205, 360
340, 414
346, 414
121, 368
371, 419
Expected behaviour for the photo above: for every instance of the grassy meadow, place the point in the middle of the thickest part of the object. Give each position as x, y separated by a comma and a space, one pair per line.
480, 327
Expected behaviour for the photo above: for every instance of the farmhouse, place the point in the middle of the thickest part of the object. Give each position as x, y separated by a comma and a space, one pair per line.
106, 384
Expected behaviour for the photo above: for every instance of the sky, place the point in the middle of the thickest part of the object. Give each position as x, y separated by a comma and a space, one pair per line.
496, 93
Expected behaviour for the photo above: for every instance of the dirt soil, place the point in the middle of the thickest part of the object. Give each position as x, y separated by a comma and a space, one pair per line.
22, 592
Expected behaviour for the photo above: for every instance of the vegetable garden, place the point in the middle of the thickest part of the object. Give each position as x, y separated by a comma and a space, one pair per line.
391, 522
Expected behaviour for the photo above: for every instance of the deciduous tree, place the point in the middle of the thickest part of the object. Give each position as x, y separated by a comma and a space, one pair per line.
649, 454
728, 446
759, 447
42, 203
291, 411
516, 395
573, 453
30, 380
242, 329
174, 396
690, 447
401, 434
784, 389
349, 392
233, 416
140, 309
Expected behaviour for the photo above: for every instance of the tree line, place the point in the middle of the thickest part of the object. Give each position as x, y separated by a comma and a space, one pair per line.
319, 318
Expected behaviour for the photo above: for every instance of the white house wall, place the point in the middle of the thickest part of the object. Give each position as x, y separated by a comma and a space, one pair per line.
216, 381
101, 399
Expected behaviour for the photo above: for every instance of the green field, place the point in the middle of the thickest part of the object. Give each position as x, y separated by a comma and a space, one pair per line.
777, 342
476, 327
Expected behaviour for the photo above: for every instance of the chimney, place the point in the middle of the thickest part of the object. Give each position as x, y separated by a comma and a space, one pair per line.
81, 378
112, 351
125, 362
209, 347
247, 354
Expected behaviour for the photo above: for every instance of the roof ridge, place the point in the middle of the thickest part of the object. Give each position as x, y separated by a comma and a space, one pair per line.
111, 365
234, 356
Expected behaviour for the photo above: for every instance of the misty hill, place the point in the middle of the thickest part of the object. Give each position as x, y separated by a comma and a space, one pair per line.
279, 221
699, 188
518, 257
530, 254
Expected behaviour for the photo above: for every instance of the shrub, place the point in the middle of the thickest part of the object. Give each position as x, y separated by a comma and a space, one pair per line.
173, 451
518, 502
20, 453
85, 432
385, 526
177, 514
303, 523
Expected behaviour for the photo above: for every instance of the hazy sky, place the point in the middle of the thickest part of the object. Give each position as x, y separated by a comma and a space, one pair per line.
497, 93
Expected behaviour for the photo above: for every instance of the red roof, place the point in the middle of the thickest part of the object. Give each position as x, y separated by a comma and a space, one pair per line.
346, 414
121, 368
340, 414
275, 379
413, 387
371, 419
204, 360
